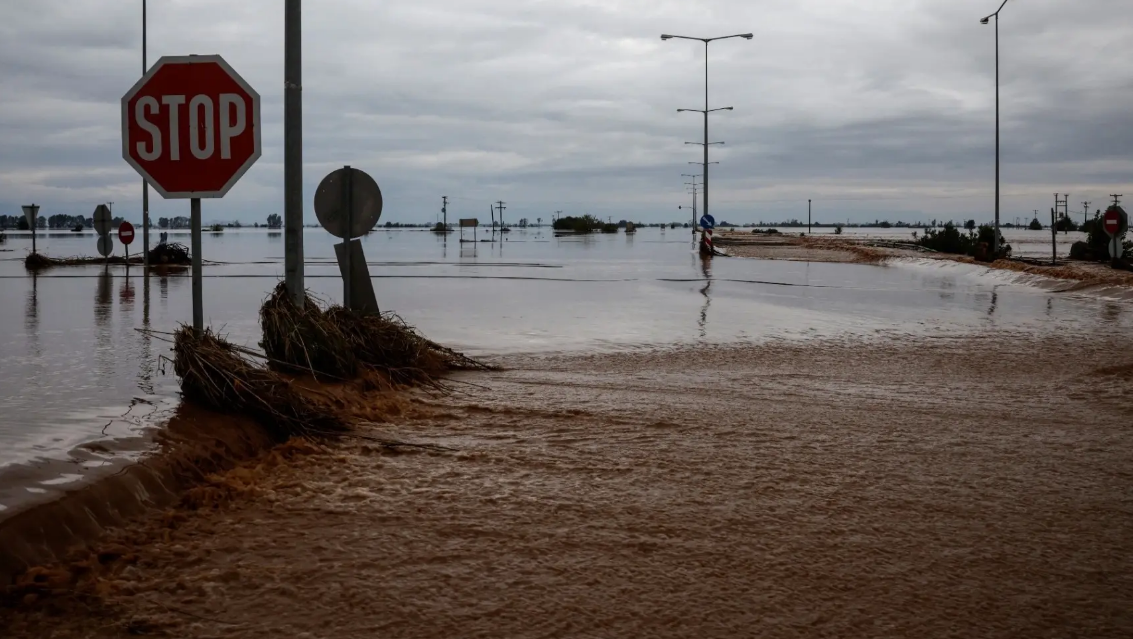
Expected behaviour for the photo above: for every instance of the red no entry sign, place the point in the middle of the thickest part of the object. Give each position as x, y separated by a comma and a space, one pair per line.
1111, 222
191, 126
126, 233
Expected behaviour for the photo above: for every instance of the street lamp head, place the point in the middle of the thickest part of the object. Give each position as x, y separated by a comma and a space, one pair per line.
665, 36
984, 20
748, 36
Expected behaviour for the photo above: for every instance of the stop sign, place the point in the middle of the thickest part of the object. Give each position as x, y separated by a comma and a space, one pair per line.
191, 126
126, 233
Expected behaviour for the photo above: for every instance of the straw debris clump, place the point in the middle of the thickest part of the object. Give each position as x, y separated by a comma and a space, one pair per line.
220, 376
335, 341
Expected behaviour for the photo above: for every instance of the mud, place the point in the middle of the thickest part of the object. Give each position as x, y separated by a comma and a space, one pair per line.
859, 251
974, 487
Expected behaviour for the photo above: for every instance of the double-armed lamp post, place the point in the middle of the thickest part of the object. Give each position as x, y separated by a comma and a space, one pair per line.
705, 110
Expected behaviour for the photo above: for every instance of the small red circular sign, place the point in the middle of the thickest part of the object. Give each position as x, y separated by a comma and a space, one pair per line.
126, 233
1112, 221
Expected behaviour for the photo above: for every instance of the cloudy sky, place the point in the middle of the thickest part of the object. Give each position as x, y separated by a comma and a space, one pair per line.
873, 108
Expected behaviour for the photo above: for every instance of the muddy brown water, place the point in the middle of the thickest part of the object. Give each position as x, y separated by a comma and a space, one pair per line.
977, 487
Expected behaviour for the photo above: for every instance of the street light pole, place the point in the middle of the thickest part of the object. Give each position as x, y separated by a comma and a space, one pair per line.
706, 110
293, 151
995, 239
145, 185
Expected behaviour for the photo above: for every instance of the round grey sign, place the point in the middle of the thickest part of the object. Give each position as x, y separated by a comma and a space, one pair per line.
348, 203
105, 245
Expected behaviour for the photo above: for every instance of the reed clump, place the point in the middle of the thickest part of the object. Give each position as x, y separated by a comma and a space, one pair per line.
335, 341
220, 376
304, 338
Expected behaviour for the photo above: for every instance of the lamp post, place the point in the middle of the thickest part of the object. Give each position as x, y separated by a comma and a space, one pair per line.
995, 239
706, 110
145, 185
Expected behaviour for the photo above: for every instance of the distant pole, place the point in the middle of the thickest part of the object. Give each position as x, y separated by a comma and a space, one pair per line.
1053, 240
292, 150
198, 297
1085, 212
808, 225
502, 207
145, 185
444, 211
1116, 198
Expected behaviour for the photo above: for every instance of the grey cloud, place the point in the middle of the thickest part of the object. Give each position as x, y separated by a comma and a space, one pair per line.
882, 108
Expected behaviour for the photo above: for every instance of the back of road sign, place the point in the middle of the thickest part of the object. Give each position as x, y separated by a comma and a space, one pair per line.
102, 219
348, 203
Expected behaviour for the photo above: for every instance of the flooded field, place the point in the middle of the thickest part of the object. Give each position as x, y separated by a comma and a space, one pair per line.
82, 385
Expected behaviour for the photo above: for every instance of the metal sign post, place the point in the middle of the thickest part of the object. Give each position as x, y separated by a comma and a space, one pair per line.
348, 205
195, 243
31, 213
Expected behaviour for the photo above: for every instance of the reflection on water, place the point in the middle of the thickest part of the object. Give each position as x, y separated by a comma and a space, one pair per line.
31, 317
706, 271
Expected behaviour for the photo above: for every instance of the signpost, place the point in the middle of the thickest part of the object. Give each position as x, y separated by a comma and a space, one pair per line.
191, 128
31, 213
125, 236
468, 222
348, 203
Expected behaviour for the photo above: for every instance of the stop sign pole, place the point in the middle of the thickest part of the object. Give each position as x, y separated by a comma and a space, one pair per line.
191, 128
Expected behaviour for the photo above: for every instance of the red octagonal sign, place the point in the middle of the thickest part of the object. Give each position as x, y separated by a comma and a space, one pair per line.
191, 126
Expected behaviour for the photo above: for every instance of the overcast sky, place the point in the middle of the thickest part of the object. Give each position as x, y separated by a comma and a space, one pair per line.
873, 108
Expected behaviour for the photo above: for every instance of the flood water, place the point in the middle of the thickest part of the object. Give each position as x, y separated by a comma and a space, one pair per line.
81, 385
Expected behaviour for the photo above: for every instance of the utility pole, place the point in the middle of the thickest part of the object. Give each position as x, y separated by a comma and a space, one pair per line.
1061, 209
808, 225
293, 150
1116, 198
694, 192
501, 207
444, 211
1085, 212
